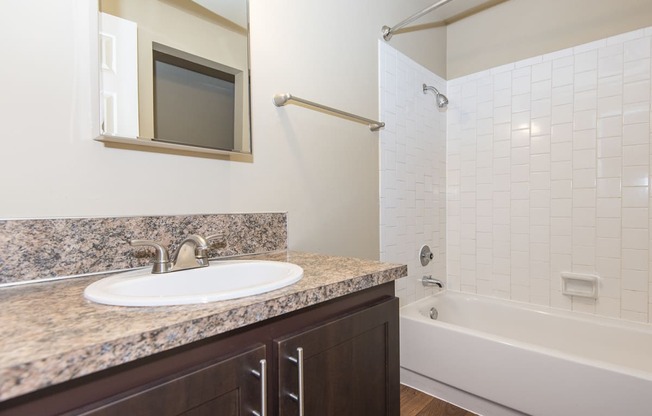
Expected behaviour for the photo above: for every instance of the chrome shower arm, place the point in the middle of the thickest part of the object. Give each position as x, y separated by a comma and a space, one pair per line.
440, 98
430, 88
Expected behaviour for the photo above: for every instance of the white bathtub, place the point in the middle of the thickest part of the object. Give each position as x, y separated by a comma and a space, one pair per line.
499, 357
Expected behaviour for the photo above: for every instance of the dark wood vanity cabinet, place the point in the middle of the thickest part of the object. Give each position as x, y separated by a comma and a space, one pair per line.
347, 366
344, 353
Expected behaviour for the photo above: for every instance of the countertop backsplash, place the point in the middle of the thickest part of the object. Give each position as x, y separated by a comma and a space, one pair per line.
37, 249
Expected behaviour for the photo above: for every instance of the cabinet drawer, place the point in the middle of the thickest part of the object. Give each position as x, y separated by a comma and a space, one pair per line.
226, 387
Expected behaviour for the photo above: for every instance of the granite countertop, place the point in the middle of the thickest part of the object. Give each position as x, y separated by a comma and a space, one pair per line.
51, 334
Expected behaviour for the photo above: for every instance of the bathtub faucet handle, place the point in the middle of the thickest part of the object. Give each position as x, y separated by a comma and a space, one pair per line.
430, 281
425, 255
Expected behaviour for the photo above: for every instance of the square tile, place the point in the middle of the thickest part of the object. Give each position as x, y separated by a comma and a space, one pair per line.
635, 196
636, 134
610, 106
583, 120
637, 49
634, 92
636, 176
636, 155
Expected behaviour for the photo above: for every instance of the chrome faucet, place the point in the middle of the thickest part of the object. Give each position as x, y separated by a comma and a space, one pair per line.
430, 281
192, 253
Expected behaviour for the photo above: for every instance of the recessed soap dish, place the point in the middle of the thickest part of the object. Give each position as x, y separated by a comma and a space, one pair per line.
579, 284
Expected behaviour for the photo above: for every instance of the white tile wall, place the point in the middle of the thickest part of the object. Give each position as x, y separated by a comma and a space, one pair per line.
548, 170
412, 171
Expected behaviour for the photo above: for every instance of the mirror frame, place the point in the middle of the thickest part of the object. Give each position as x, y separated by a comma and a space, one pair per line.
151, 145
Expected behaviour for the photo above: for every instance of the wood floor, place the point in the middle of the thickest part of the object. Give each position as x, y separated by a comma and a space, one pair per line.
415, 403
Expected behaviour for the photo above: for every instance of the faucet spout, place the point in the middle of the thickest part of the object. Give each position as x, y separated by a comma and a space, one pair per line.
431, 281
192, 253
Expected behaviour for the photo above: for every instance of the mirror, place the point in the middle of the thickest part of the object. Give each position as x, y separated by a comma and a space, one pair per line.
175, 75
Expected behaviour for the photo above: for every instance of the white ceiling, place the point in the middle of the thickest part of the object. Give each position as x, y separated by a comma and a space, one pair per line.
233, 10
451, 10
236, 10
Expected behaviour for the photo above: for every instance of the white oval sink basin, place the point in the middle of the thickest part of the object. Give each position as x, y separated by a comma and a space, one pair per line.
221, 280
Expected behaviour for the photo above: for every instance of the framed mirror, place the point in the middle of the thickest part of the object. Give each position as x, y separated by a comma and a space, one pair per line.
175, 75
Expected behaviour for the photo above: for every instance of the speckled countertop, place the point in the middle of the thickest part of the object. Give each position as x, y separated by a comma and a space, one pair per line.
51, 334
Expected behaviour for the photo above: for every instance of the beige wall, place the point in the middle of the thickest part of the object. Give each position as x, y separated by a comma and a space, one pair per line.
321, 169
430, 54
424, 44
520, 29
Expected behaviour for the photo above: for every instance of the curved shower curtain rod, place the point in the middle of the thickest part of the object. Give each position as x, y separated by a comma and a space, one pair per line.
389, 31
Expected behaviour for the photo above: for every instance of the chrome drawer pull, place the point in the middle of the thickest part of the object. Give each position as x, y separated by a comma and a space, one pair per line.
299, 362
262, 375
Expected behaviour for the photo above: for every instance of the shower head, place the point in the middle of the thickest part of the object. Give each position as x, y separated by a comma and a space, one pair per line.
440, 98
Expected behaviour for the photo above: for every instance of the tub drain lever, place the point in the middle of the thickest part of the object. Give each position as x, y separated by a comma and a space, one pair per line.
431, 281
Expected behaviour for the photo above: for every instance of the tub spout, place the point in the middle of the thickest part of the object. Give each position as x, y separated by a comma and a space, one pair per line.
430, 281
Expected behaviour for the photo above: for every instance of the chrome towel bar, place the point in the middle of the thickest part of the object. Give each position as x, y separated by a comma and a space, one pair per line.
282, 99
389, 31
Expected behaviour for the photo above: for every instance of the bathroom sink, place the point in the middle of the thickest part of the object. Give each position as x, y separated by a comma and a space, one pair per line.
221, 280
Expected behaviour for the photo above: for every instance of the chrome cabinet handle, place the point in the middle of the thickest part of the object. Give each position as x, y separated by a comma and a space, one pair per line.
262, 375
299, 362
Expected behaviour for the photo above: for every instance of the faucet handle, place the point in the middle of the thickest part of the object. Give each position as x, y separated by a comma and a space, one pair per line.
162, 259
220, 235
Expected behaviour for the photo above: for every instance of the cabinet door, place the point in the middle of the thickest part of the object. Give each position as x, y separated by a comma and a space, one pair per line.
349, 366
227, 387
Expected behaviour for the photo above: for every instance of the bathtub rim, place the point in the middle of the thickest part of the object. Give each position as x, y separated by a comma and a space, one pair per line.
411, 311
